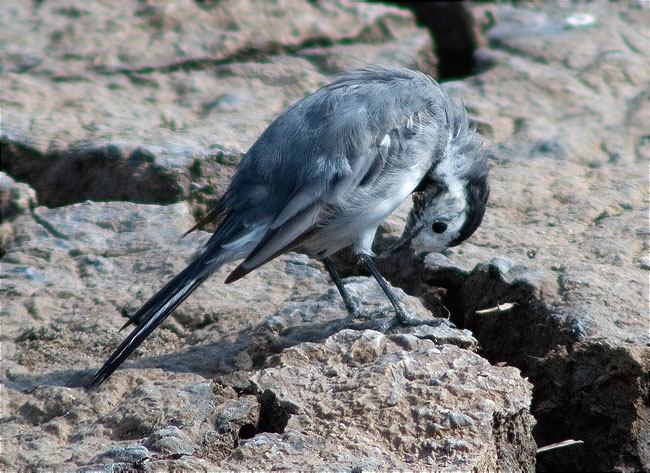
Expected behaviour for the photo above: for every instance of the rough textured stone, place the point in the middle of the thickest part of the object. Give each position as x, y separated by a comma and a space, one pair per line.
155, 103
565, 113
72, 271
171, 441
162, 111
367, 401
123, 455
304, 318
81, 267
16, 199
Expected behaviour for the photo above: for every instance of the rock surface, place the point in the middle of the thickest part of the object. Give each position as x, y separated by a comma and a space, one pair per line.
329, 406
565, 111
163, 111
70, 273
16, 198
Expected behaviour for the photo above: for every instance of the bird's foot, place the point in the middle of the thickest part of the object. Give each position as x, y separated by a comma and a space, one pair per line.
355, 311
360, 318
405, 317
378, 318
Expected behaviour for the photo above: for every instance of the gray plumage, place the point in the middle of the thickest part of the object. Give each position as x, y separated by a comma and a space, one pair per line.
459, 180
326, 173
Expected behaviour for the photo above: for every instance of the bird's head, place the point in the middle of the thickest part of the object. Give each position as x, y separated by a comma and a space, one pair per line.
449, 203
446, 214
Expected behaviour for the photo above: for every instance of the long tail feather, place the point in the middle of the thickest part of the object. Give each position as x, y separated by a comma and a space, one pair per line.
153, 313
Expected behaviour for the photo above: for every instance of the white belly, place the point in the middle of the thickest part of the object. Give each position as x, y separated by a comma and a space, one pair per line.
365, 209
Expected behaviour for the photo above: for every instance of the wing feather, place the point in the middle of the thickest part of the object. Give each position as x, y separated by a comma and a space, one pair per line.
314, 155
284, 238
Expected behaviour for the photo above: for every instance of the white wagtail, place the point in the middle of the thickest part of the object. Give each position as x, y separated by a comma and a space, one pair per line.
325, 174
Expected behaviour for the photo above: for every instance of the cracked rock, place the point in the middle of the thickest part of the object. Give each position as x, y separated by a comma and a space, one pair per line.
123, 455
16, 199
363, 400
163, 110
563, 106
73, 272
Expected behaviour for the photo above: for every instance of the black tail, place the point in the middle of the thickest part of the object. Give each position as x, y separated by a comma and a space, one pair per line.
153, 312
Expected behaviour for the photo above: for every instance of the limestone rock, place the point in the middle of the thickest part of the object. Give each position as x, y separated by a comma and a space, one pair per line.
371, 402
156, 103
564, 108
16, 199
73, 272
164, 109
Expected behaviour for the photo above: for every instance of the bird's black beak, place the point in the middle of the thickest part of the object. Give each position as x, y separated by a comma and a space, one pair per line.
403, 242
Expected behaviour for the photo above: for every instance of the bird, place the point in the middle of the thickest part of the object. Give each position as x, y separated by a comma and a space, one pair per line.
325, 174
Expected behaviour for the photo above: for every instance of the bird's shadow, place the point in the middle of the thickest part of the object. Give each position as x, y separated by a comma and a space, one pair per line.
247, 351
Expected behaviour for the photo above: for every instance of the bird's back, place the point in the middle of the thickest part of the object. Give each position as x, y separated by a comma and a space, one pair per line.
328, 138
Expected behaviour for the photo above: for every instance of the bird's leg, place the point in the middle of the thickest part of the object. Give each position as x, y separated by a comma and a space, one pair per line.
403, 315
352, 307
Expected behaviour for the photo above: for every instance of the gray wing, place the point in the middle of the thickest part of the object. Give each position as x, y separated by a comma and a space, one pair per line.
313, 154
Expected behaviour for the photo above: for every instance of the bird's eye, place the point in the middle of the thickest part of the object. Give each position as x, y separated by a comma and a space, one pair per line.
439, 227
